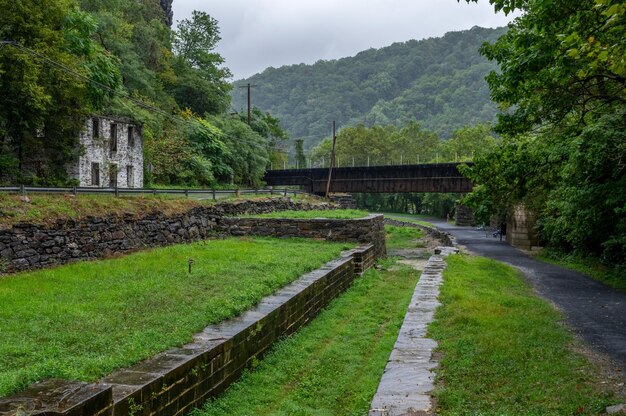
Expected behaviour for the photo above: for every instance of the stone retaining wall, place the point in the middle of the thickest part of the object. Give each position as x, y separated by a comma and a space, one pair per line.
180, 379
370, 229
31, 246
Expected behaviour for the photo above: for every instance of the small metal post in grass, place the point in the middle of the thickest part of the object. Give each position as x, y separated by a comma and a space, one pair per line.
213, 191
117, 192
189, 263
186, 193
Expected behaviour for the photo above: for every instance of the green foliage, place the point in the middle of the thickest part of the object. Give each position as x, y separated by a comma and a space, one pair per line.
505, 351
563, 82
148, 302
437, 82
42, 106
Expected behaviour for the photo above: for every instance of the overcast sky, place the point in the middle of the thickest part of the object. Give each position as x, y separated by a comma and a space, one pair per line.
257, 34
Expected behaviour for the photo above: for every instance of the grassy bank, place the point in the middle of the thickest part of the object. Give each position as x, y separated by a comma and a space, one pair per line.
414, 218
333, 214
83, 320
334, 365
403, 237
504, 351
614, 277
46, 209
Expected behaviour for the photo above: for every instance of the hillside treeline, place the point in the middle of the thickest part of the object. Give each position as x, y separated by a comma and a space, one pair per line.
439, 82
75, 58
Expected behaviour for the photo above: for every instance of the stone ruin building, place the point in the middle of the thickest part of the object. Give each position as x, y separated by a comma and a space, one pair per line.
113, 154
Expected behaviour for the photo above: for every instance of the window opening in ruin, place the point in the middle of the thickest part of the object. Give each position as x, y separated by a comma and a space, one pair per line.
130, 177
95, 128
95, 174
113, 137
113, 175
131, 137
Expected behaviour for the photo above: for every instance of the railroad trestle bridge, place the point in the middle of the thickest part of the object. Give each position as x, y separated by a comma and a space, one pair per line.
434, 177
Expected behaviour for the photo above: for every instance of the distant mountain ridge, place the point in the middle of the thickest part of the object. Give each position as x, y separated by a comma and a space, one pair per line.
438, 82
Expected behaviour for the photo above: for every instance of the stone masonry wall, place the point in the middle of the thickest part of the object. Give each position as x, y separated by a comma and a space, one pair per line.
370, 229
31, 246
520, 228
181, 379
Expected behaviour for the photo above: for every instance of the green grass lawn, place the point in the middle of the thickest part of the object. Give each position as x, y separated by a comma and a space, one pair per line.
83, 320
403, 237
332, 366
414, 218
334, 214
504, 350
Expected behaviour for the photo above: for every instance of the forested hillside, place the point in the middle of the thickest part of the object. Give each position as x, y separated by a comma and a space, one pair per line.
438, 82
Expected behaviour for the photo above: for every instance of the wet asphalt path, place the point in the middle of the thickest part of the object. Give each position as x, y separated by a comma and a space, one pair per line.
593, 310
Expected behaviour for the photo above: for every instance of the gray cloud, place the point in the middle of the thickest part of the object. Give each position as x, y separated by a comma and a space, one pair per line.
257, 34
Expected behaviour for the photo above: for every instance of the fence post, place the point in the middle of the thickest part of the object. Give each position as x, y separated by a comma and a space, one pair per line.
117, 192
237, 194
74, 191
186, 193
285, 191
214, 198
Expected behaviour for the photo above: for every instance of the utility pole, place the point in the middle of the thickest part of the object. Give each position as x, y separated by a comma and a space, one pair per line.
332, 161
249, 88
249, 102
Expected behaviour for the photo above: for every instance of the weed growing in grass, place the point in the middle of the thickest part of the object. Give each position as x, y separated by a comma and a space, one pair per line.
84, 320
504, 351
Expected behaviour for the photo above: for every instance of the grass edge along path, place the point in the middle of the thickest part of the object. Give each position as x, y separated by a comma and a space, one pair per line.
82, 321
592, 267
504, 349
332, 366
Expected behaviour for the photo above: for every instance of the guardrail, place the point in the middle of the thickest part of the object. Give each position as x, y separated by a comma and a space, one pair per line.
213, 193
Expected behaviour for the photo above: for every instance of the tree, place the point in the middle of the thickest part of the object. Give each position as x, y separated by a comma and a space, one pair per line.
202, 84
563, 88
43, 103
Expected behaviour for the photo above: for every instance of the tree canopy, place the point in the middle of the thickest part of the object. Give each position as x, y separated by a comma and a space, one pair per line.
563, 86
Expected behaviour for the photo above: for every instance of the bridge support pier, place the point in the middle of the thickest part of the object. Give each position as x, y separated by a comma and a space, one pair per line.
520, 228
345, 201
464, 216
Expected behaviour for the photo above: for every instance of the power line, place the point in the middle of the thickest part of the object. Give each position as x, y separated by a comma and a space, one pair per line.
64, 68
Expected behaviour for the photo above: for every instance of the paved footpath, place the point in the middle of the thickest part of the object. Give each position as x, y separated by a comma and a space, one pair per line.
593, 310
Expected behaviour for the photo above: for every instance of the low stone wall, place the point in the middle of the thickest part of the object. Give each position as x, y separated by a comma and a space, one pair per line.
31, 246
178, 380
370, 229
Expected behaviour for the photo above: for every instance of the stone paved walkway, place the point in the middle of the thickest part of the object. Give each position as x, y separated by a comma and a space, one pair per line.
409, 376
